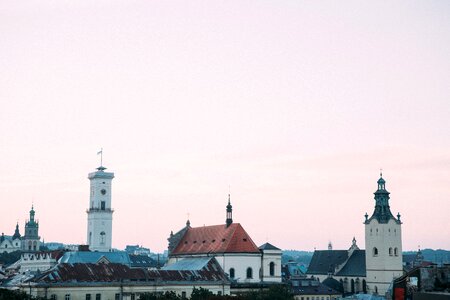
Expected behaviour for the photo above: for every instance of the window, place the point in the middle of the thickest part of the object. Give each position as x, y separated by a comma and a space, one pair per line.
103, 204
98, 296
67, 297
375, 251
232, 273
117, 297
219, 293
395, 251
88, 296
133, 297
390, 251
272, 268
102, 241
249, 273
183, 295
53, 297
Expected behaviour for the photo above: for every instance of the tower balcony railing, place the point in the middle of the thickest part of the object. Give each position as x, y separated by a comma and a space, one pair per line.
96, 209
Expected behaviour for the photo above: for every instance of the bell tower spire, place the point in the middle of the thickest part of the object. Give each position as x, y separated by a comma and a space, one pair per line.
229, 220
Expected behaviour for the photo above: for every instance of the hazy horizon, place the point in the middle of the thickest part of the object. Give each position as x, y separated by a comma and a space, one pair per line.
291, 106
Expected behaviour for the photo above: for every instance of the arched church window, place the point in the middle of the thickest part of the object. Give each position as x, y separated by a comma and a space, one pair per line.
103, 205
232, 273
375, 251
364, 286
390, 251
352, 286
395, 251
249, 273
376, 290
102, 237
272, 268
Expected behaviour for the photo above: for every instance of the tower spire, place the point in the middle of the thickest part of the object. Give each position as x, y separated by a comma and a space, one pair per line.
229, 219
382, 210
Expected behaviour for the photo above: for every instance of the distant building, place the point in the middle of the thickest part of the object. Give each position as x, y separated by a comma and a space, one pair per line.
99, 229
310, 288
96, 257
29, 242
233, 248
371, 270
346, 266
137, 250
118, 281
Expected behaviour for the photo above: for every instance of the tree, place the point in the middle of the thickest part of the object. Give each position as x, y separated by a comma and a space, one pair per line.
201, 294
166, 296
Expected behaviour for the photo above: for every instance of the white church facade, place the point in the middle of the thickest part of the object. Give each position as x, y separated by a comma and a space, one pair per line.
233, 248
30, 241
371, 270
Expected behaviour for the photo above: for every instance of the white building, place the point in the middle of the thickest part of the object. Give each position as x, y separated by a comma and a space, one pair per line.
384, 260
233, 248
12, 243
99, 231
371, 270
30, 241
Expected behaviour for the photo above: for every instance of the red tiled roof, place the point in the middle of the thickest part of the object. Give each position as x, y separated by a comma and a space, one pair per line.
216, 239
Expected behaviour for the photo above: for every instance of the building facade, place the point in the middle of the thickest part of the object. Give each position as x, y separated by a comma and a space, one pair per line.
30, 241
383, 243
371, 270
233, 248
99, 229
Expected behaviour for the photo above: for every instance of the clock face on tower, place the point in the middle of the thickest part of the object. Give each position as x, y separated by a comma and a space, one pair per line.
103, 191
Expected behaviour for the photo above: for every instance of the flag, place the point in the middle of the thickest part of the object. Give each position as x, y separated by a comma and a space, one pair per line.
100, 152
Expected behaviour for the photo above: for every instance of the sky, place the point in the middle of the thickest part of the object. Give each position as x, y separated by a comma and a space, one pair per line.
292, 107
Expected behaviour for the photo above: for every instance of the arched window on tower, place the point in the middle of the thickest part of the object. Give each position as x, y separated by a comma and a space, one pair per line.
375, 251
34, 246
232, 273
102, 237
272, 268
249, 273
396, 251
390, 251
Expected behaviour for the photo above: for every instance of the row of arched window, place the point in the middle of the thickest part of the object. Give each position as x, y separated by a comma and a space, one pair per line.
249, 272
392, 251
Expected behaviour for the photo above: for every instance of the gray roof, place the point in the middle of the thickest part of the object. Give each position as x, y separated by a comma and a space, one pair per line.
325, 261
268, 246
119, 257
189, 264
142, 261
355, 266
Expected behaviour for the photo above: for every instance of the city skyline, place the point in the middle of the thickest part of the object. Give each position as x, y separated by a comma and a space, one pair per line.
291, 107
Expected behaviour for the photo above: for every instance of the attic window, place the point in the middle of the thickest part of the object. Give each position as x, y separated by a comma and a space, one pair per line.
213, 241
195, 242
244, 239
223, 240
185, 242
204, 242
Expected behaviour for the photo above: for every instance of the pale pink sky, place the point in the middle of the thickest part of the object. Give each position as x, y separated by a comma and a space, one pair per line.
294, 104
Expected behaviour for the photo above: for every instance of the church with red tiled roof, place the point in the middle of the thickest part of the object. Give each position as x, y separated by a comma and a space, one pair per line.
231, 245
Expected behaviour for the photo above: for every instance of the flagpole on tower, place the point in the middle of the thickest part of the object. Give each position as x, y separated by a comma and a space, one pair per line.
101, 156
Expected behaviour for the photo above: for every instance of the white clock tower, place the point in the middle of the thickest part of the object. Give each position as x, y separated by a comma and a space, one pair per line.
99, 230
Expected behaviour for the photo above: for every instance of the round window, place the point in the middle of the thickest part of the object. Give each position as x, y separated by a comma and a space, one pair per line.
103, 191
